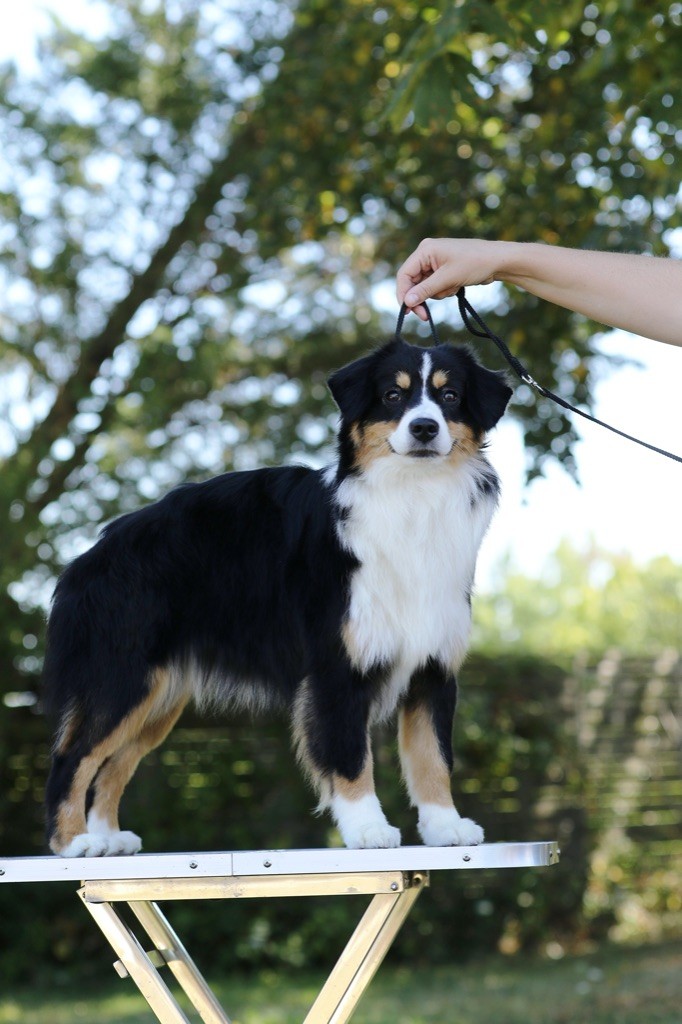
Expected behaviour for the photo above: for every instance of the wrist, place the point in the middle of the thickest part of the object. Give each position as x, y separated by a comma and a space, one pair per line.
518, 262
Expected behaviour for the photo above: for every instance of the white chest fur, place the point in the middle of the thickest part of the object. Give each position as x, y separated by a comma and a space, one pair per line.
415, 527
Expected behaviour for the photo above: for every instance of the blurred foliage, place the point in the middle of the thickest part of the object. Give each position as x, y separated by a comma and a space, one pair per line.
586, 757
584, 600
198, 204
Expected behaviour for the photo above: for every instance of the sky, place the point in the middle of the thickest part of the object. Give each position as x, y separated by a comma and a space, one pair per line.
629, 500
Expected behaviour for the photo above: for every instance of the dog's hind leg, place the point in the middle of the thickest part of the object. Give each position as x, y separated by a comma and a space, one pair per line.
113, 777
71, 773
425, 742
77, 763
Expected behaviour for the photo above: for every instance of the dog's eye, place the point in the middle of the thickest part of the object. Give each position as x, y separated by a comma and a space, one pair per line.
449, 395
393, 396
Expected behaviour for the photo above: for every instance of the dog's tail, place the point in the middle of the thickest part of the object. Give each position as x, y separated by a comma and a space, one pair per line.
96, 659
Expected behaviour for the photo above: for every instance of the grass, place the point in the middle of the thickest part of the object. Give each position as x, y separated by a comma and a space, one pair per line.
611, 986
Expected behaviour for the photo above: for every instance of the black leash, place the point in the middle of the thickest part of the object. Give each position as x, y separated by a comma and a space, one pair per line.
401, 318
468, 313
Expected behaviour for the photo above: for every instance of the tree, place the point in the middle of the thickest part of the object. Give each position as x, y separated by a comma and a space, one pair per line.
196, 207
585, 601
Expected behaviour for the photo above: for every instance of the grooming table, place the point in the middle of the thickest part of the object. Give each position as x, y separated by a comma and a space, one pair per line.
394, 878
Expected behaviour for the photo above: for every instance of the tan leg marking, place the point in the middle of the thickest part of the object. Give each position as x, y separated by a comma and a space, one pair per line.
425, 772
115, 775
354, 789
70, 817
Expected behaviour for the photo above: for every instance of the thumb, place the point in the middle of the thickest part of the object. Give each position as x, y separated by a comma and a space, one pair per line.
437, 285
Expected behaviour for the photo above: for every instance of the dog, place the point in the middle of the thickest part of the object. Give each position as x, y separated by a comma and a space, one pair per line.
339, 595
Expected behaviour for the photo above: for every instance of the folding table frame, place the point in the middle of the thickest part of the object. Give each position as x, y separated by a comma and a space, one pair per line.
394, 878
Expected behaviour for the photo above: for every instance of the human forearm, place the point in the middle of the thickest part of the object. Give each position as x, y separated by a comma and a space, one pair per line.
633, 292
642, 294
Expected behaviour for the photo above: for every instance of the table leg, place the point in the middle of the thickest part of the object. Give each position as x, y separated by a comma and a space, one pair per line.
363, 955
179, 961
137, 963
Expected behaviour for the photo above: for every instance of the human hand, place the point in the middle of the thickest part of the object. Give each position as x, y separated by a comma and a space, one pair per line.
439, 267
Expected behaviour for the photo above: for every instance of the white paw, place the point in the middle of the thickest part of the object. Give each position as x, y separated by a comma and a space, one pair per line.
102, 844
122, 844
442, 826
362, 823
85, 845
117, 843
375, 835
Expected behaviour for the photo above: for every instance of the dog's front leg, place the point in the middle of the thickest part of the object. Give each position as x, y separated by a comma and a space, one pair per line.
425, 740
357, 812
331, 727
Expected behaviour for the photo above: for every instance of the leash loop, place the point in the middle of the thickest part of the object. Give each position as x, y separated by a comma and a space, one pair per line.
401, 317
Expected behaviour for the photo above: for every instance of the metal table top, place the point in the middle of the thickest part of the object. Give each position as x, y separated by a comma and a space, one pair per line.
240, 863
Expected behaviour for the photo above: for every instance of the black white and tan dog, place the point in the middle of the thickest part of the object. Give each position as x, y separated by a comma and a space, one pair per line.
340, 595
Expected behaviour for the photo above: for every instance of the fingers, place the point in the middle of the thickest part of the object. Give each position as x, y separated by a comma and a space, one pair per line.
420, 311
412, 271
438, 285
419, 265
439, 267
426, 274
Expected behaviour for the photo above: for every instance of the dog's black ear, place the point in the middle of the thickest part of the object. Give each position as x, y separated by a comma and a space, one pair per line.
487, 395
352, 387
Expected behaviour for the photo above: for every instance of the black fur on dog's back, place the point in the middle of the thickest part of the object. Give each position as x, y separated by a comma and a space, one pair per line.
169, 583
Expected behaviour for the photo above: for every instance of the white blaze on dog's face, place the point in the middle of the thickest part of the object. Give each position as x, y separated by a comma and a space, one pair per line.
422, 430
413, 403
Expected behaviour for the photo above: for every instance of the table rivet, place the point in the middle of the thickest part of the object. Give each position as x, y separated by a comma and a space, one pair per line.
193, 864
2, 871
267, 864
394, 886
466, 857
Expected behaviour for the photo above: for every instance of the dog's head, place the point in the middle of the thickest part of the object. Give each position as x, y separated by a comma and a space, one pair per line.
406, 402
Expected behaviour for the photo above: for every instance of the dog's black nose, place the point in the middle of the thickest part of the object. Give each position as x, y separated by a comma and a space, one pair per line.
424, 429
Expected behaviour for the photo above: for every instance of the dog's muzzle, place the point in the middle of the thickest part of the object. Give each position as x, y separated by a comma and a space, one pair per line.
424, 430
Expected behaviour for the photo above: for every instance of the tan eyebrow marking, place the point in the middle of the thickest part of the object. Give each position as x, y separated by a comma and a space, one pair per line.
403, 380
440, 378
